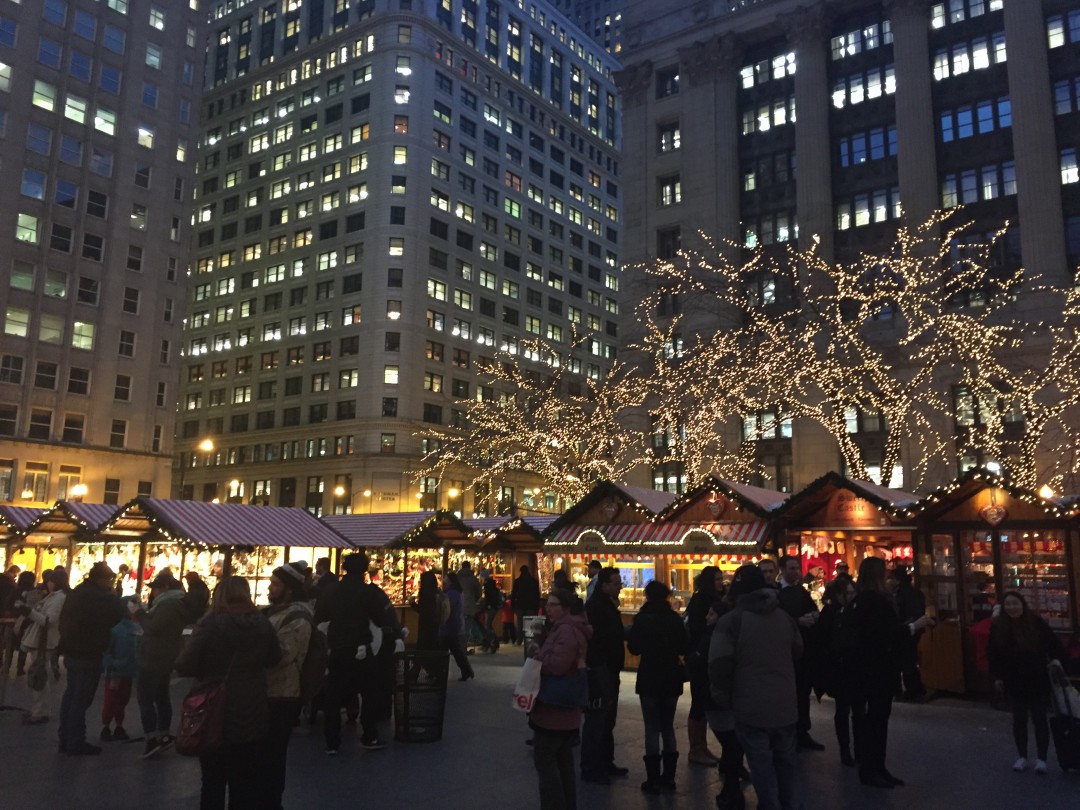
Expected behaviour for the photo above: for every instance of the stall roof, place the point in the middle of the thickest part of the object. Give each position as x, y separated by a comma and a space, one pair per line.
69, 517
759, 500
223, 525
730, 536
508, 532
401, 529
647, 501
941, 500
894, 501
15, 519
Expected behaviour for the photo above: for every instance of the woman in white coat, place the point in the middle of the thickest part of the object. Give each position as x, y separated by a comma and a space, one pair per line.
40, 639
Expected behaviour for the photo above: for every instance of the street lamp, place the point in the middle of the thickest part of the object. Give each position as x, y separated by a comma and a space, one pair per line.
205, 446
78, 492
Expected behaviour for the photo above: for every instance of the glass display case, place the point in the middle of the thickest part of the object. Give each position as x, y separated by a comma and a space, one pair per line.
980, 595
1033, 563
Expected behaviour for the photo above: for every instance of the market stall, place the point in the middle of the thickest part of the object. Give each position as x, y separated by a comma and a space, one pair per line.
837, 519
721, 523
979, 537
13, 523
509, 543
217, 539
66, 533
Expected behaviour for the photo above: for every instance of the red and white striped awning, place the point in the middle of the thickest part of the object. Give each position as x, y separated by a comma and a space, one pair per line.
613, 534
721, 535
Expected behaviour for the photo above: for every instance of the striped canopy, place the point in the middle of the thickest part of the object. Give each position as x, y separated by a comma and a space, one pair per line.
746, 536
16, 518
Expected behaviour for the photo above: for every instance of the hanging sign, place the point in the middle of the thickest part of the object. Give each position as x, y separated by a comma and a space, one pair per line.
993, 513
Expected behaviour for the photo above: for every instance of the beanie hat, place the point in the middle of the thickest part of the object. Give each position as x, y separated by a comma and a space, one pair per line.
292, 574
748, 578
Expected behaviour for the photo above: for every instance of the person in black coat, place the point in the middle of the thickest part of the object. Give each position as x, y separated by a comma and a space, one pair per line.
796, 601
234, 641
426, 604
525, 596
872, 667
707, 590
605, 661
831, 673
721, 721
910, 605
659, 636
1020, 649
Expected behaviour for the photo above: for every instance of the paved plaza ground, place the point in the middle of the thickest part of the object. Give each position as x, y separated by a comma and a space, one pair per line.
954, 755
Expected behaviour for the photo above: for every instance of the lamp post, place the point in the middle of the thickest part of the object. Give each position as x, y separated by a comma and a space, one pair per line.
205, 446
78, 492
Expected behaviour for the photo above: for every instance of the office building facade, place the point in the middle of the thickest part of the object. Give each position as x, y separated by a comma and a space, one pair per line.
389, 193
98, 119
766, 123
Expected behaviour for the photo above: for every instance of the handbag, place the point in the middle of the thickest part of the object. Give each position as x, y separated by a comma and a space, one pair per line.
202, 718
527, 686
37, 676
570, 691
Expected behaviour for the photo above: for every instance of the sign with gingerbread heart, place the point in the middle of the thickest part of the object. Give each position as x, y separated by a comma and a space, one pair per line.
611, 508
716, 506
993, 513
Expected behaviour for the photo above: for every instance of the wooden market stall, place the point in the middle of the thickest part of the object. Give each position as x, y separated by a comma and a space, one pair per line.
218, 539
977, 538
609, 524
721, 523
518, 539
67, 531
838, 519
13, 523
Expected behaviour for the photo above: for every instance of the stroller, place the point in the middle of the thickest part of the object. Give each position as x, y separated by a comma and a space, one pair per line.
1065, 724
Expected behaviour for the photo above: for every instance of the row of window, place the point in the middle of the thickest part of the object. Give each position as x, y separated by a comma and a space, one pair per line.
978, 118
955, 11
879, 205
984, 183
80, 334
72, 430
862, 147
867, 38
867, 85
975, 54
1062, 28
769, 114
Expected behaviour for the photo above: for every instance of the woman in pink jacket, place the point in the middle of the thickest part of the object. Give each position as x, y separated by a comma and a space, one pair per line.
555, 727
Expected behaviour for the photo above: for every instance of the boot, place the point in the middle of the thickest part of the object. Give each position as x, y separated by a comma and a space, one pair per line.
699, 746
652, 774
670, 761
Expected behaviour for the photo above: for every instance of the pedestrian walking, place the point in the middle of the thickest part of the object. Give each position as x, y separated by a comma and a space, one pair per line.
525, 594
39, 640
1020, 650
171, 610
292, 619
493, 601
910, 605
234, 642
752, 671
832, 672
659, 636
452, 631
426, 605
707, 587
606, 656
376, 673
25, 596
720, 720
119, 665
86, 620
556, 728
472, 594
873, 669
796, 601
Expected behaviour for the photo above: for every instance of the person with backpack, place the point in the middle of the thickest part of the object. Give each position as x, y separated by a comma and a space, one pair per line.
293, 621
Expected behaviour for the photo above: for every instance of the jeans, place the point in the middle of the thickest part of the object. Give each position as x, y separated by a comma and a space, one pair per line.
659, 716
376, 674
553, 755
83, 675
235, 768
598, 730
1036, 707
342, 684
774, 766
457, 649
870, 721
117, 695
155, 706
283, 717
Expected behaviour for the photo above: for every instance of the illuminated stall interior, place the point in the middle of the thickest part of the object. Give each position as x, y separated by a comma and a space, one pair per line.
979, 537
14, 521
68, 533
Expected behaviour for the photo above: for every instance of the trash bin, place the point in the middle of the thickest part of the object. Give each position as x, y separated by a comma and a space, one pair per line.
420, 695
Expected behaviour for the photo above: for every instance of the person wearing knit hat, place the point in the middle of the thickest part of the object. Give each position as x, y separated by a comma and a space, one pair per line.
293, 621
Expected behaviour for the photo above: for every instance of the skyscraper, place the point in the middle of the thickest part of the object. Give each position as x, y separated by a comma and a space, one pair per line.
389, 193
98, 122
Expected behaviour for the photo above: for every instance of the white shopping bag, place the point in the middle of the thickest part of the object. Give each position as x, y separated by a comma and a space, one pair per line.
528, 685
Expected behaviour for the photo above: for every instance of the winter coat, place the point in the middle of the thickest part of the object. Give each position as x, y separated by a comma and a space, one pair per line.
752, 661
427, 631
526, 595
1023, 670
697, 609
120, 658
292, 625
322, 589
659, 636
873, 643
471, 591
697, 665
563, 651
240, 647
455, 624
44, 614
347, 612
493, 595
87, 619
163, 629
833, 629
607, 646
796, 601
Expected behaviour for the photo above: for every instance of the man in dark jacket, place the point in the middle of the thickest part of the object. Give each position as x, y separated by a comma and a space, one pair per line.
796, 601
325, 581
171, 610
86, 621
376, 672
525, 597
350, 628
752, 659
605, 660
910, 605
